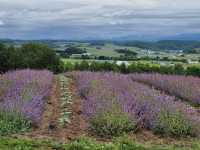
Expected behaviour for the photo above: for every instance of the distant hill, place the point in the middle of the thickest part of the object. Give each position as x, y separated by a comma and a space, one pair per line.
185, 37
136, 38
192, 46
164, 45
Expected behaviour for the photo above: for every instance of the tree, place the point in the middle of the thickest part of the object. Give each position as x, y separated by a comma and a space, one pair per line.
39, 56
74, 50
3, 58
193, 70
179, 69
84, 65
133, 68
33, 56
94, 66
69, 66
123, 68
107, 66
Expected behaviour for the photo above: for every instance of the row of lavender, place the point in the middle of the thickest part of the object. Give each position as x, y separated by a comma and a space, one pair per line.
151, 109
185, 87
24, 93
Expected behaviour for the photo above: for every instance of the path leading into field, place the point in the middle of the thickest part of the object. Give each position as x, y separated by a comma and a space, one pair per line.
50, 127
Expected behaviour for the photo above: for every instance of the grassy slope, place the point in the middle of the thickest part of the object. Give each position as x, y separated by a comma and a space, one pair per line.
107, 50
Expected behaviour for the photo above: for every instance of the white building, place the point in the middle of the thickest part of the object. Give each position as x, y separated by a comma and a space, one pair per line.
122, 62
189, 61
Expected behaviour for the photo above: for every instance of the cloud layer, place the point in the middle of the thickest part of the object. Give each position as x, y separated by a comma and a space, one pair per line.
78, 19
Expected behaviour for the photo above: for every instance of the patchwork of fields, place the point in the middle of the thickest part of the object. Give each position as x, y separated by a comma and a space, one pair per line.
119, 111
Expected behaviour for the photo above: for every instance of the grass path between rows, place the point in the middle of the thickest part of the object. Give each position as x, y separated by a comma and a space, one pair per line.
85, 144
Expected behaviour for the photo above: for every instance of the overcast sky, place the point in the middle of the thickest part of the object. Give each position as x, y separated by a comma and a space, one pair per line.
79, 19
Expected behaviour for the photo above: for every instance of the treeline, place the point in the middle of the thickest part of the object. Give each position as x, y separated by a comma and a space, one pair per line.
129, 58
30, 55
74, 50
135, 67
187, 46
126, 52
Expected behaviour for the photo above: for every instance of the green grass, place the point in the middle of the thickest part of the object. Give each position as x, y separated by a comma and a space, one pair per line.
11, 123
107, 50
111, 124
174, 124
7, 143
122, 143
71, 60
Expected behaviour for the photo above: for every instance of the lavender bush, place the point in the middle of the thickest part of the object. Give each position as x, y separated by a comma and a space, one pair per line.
186, 87
23, 94
112, 92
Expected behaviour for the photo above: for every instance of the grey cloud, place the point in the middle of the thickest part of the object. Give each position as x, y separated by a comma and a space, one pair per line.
1, 23
104, 18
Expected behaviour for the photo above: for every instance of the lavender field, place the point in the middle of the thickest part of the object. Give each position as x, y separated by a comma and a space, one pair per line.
185, 87
22, 96
145, 107
99, 104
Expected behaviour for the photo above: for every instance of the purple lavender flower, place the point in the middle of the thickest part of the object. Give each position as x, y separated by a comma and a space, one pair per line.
116, 92
24, 92
185, 87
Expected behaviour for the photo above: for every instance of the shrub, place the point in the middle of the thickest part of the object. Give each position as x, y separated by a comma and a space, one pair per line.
173, 124
119, 144
125, 143
193, 70
88, 144
110, 124
12, 123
